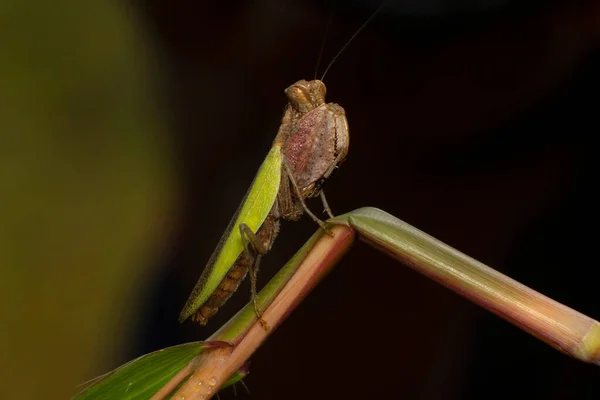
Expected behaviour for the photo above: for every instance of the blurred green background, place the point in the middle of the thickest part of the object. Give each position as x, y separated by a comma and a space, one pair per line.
86, 189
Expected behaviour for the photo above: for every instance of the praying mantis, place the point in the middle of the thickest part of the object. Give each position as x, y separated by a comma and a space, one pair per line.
312, 141
411, 246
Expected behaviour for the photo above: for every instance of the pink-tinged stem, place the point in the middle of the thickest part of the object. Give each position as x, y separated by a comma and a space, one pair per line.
214, 367
554, 323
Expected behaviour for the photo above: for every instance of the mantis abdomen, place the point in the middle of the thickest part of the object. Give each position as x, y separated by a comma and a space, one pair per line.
265, 235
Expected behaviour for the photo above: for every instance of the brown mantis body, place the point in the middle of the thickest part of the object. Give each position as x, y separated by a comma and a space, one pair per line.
314, 139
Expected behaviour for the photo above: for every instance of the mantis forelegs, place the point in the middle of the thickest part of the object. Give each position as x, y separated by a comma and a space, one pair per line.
301, 200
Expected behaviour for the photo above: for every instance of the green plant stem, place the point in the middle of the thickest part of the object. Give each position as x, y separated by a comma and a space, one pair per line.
561, 327
278, 299
554, 323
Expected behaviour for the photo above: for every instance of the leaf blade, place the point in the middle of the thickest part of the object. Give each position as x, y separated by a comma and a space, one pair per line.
143, 377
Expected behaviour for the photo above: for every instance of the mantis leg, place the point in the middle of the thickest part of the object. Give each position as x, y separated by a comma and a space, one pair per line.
334, 165
300, 199
326, 176
325, 204
249, 240
287, 206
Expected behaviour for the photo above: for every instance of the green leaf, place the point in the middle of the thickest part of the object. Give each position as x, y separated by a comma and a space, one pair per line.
237, 376
143, 377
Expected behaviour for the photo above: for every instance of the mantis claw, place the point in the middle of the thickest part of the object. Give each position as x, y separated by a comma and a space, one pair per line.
326, 228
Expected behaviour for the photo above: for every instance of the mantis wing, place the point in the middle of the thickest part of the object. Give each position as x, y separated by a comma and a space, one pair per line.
253, 211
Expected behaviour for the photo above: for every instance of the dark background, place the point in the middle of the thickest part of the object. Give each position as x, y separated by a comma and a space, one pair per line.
473, 121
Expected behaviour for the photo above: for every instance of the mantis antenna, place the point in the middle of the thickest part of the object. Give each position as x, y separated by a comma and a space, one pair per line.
351, 39
329, 19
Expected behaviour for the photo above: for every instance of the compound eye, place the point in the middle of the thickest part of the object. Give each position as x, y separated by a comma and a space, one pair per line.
320, 91
299, 97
